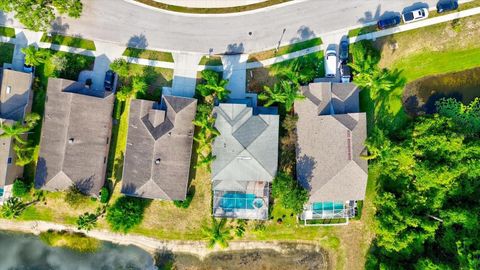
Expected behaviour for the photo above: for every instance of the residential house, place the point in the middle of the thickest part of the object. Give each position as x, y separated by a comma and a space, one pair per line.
246, 160
331, 133
159, 148
15, 102
75, 137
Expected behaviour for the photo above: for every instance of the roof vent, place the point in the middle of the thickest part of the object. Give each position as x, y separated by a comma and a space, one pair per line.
157, 161
71, 140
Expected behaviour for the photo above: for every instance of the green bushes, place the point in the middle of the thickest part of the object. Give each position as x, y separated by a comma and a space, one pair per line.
76, 42
104, 195
289, 192
20, 188
76, 241
74, 197
7, 32
186, 203
126, 213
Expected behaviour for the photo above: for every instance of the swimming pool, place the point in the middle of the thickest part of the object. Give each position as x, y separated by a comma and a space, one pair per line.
328, 206
237, 201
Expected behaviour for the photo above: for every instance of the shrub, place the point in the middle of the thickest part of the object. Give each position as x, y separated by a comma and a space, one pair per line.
289, 192
120, 66
75, 241
186, 203
74, 197
20, 188
126, 213
104, 195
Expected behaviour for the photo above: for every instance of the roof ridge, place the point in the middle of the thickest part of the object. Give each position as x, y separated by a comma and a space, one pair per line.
70, 97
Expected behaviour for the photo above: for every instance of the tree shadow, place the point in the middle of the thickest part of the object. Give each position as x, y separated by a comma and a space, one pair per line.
303, 33
59, 27
235, 48
370, 17
138, 42
164, 258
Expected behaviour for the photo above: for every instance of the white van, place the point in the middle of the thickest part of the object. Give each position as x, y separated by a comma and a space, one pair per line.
330, 63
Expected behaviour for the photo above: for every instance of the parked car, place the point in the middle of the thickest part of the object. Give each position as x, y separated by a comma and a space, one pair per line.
345, 73
447, 5
109, 80
343, 54
389, 22
415, 15
331, 63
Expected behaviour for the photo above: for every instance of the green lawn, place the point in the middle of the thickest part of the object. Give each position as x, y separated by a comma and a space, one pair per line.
262, 4
362, 30
76, 42
149, 54
7, 32
6, 53
284, 50
213, 60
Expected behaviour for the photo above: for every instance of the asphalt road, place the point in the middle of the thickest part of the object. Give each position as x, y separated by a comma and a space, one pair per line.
124, 23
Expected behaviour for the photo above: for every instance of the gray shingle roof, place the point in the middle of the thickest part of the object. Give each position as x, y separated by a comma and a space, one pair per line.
329, 146
15, 101
247, 149
75, 137
159, 147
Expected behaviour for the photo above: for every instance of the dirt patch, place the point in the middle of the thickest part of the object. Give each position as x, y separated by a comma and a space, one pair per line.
306, 257
257, 78
420, 95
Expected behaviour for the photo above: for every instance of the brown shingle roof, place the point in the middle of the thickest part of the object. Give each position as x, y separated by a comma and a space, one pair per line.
159, 147
329, 146
75, 137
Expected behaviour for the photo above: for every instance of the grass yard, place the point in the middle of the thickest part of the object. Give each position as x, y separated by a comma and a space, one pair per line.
442, 48
148, 54
362, 30
76, 42
6, 53
7, 32
212, 60
284, 50
262, 4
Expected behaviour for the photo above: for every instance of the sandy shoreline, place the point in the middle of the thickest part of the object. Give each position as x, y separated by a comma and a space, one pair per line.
151, 245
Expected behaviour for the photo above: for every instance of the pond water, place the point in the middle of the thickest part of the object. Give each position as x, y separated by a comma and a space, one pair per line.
26, 251
420, 95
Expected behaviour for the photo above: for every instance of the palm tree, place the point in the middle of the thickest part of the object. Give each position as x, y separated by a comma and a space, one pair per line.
87, 221
205, 161
15, 131
34, 57
31, 120
217, 233
275, 95
292, 93
13, 207
24, 154
214, 86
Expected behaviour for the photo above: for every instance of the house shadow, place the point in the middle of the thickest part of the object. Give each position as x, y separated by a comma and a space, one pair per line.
305, 167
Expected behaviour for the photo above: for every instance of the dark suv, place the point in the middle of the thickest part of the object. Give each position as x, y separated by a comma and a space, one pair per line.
447, 5
389, 22
109, 80
343, 54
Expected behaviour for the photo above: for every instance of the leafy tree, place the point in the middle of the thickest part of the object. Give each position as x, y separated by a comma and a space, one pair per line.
87, 221
74, 197
59, 62
240, 228
205, 161
284, 92
13, 208
139, 85
39, 14
186, 203
289, 192
33, 56
217, 233
466, 117
20, 188
121, 67
126, 213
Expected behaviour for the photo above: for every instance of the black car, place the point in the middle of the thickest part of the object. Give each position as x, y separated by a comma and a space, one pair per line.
109, 79
448, 5
343, 54
389, 22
